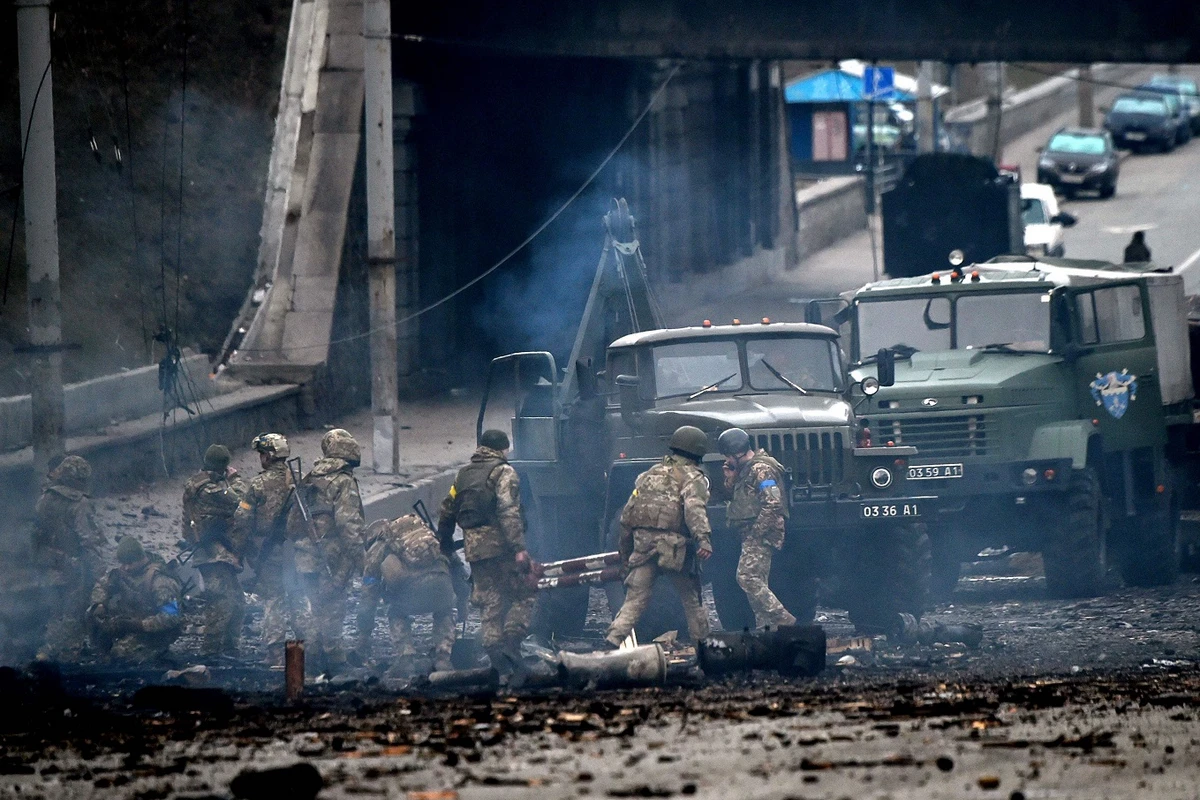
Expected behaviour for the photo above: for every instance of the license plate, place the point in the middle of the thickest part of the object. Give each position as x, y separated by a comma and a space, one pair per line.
930, 472
889, 510
1135, 136
1071, 178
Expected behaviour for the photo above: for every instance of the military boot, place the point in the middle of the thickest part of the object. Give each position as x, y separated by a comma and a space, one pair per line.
500, 659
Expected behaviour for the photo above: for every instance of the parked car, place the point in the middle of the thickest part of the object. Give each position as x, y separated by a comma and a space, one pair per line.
1178, 105
1141, 119
1044, 223
1080, 158
1190, 91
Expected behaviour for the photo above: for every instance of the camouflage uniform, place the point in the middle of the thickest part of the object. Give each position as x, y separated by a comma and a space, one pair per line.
261, 524
485, 501
329, 548
210, 499
407, 568
66, 546
135, 613
668, 503
758, 514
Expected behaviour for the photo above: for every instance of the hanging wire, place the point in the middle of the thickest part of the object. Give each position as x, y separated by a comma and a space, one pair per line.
508, 256
12, 236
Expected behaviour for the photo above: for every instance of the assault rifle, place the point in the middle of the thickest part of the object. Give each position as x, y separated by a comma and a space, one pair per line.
294, 468
458, 572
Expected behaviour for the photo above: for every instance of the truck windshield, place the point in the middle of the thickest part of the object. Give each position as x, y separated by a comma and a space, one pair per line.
1018, 321
688, 367
811, 364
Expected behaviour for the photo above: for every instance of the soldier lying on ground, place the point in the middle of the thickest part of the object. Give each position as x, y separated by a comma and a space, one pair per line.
135, 613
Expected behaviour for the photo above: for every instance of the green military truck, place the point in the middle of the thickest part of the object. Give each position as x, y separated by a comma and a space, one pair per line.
1053, 405
581, 436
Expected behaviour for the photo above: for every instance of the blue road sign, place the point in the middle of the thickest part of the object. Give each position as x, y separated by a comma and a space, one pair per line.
879, 82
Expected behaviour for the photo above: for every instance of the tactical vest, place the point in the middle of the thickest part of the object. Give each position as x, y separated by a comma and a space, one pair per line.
745, 503
474, 499
657, 500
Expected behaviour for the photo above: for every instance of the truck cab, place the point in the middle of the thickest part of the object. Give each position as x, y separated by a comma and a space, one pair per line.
1053, 407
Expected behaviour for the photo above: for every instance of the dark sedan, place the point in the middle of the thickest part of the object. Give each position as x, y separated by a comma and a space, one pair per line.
1141, 119
1077, 159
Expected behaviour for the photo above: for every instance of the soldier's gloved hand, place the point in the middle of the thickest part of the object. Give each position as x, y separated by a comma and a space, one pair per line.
703, 551
524, 562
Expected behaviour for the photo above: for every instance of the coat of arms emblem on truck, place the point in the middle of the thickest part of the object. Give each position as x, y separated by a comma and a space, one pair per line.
1115, 391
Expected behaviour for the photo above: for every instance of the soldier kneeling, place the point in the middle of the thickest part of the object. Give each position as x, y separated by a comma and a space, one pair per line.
407, 569
135, 615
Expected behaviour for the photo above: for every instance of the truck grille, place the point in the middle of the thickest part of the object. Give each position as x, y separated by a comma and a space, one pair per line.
815, 458
936, 435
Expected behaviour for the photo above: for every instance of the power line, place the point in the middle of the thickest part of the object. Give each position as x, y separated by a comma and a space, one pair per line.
12, 237
446, 298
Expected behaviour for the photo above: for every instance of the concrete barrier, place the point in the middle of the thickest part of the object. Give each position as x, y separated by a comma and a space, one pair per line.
399, 501
1025, 110
827, 213
103, 401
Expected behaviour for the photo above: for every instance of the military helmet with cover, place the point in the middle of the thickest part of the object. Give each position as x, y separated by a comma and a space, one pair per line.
273, 445
690, 441
494, 439
217, 458
72, 471
130, 551
733, 442
338, 443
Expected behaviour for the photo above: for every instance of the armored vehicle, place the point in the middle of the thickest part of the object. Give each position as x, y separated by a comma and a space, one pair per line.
581, 436
1052, 402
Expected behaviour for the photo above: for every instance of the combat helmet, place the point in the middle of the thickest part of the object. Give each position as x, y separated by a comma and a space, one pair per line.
216, 458
273, 445
494, 439
130, 551
74, 472
338, 443
733, 442
690, 441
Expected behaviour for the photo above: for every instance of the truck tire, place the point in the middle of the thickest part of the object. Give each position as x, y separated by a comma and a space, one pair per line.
1074, 551
889, 576
1152, 554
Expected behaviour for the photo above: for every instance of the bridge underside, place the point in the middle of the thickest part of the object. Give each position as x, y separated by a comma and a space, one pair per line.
958, 31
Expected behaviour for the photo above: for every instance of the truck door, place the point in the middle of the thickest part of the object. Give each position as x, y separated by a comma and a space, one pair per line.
520, 397
1116, 377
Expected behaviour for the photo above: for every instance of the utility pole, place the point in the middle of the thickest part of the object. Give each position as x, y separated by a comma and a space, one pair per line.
926, 124
995, 104
1087, 102
41, 231
381, 232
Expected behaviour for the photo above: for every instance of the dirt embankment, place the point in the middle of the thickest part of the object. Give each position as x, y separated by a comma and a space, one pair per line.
168, 236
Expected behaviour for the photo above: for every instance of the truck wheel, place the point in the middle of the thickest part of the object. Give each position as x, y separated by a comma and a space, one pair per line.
561, 613
945, 569
1152, 555
889, 576
1074, 552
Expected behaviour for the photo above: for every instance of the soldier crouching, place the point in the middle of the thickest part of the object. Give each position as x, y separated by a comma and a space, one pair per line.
664, 526
134, 615
407, 569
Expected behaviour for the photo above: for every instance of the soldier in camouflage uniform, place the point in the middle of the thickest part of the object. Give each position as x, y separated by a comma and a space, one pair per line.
407, 568
66, 545
261, 525
664, 525
210, 499
758, 514
329, 545
135, 615
485, 501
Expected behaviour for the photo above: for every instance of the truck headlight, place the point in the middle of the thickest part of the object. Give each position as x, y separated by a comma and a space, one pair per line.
1101, 167
1029, 476
1045, 163
881, 477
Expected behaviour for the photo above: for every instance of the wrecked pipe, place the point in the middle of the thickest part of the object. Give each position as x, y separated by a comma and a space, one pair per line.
929, 632
645, 665
481, 677
293, 669
789, 649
